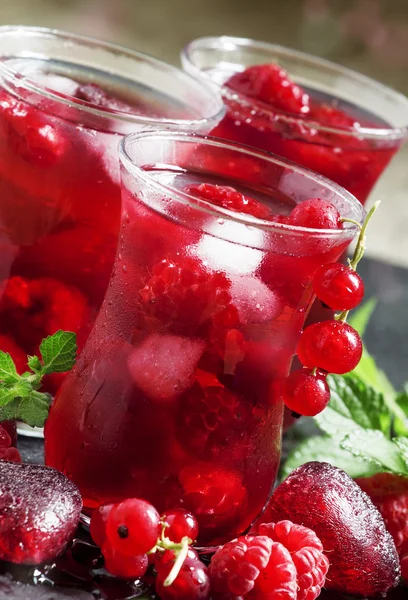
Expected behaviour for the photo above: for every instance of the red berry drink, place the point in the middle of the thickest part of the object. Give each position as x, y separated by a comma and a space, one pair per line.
176, 396
320, 115
65, 101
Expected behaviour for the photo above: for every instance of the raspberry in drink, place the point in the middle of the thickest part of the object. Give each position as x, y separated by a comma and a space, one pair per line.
176, 396
329, 119
65, 101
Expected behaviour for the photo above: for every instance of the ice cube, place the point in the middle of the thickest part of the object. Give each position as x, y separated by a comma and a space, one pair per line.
56, 83
256, 303
163, 365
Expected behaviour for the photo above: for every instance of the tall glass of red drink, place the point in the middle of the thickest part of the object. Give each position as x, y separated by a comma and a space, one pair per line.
65, 101
176, 395
318, 114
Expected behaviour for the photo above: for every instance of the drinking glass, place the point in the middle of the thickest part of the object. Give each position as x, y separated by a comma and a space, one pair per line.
352, 157
176, 395
65, 101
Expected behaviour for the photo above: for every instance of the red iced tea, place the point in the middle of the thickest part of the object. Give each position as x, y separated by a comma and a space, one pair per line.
319, 115
176, 396
65, 102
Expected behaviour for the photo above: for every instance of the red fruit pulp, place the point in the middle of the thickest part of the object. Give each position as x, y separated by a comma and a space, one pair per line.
59, 208
257, 116
176, 397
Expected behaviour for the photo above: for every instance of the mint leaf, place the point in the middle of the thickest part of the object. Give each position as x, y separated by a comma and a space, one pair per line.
20, 389
327, 449
373, 446
35, 364
33, 411
58, 352
8, 372
353, 404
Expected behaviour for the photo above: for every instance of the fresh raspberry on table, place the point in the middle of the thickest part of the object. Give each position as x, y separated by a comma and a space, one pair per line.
7, 451
186, 295
270, 83
307, 554
389, 493
229, 198
253, 567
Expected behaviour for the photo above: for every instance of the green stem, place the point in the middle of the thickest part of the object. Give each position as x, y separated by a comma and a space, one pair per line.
178, 563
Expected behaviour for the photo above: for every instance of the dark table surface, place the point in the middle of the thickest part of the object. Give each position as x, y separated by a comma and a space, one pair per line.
386, 340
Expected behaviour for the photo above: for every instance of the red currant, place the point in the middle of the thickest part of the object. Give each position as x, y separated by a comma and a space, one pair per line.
180, 523
98, 524
163, 558
128, 567
192, 583
315, 213
305, 393
332, 346
338, 286
133, 527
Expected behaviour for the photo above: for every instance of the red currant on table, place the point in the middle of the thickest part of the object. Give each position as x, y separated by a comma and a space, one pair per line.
192, 582
181, 523
338, 286
169, 556
316, 213
133, 527
306, 393
332, 346
128, 567
98, 524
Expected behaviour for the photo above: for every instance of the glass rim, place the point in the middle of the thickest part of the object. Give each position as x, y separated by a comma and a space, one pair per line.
216, 211
218, 42
208, 88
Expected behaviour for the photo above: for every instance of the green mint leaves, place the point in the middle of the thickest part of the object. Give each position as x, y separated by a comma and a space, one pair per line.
20, 397
364, 426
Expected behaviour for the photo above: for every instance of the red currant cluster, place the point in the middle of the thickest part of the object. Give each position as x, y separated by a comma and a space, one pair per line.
281, 558
132, 536
330, 346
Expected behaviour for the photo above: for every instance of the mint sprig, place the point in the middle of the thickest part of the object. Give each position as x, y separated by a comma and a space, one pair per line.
20, 397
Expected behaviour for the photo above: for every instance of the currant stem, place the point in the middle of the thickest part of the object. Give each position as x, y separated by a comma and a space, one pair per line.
178, 563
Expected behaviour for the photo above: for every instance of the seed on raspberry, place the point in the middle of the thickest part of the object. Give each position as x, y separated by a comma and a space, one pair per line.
338, 286
180, 523
229, 198
315, 213
192, 582
98, 524
307, 554
133, 527
332, 346
128, 567
305, 392
271, 84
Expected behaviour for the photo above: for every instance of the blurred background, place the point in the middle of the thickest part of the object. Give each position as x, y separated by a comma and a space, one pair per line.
370, 36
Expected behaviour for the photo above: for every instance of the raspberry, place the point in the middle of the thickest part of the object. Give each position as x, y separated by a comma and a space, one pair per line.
253, 567
362, 555
315, 213
216, 497
389, 493
208, 414
34, 309
332, 346
7, 452
229, 198
307, 554
185, 295
271, 84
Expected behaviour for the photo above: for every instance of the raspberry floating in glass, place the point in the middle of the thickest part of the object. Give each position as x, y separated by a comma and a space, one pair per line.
320, 115
65, 101
176, 397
